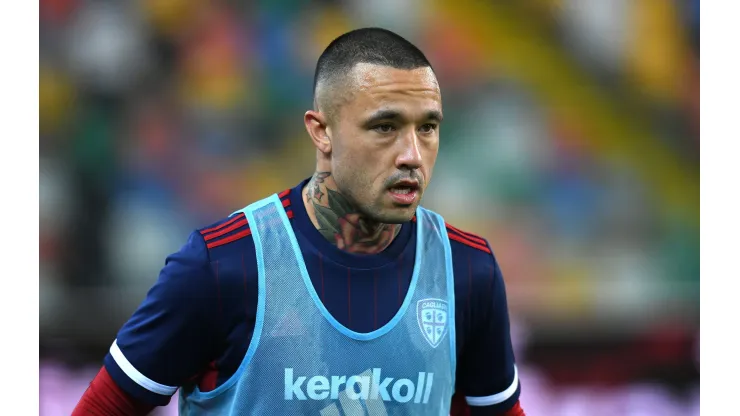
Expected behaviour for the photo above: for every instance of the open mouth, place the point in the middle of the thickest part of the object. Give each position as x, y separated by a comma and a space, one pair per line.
404, 192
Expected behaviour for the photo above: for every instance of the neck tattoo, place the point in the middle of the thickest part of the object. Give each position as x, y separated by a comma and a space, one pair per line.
341, 223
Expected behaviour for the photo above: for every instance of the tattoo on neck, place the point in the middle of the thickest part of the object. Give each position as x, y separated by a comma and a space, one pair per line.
342, 224
317, 181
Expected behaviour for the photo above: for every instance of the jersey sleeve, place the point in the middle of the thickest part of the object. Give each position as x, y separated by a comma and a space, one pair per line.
170, 338
487, 373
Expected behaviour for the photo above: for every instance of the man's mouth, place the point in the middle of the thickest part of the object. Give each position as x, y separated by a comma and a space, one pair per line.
404, 192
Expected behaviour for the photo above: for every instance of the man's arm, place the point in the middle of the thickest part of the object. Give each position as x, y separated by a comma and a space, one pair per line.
104, 398
169, 339
488, 383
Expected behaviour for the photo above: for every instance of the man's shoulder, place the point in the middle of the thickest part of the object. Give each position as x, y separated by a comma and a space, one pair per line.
465, 242
232, 232
472, 257
468, 243
232, 228
224, 231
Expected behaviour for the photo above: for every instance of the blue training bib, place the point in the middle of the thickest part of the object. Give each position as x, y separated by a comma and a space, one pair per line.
302, 361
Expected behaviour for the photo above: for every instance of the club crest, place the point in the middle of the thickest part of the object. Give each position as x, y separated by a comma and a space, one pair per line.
432, 316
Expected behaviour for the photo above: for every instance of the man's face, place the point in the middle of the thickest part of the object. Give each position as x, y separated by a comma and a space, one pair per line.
385, 140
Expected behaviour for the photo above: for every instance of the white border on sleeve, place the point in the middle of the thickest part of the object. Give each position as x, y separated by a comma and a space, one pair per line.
136, 376
498, 397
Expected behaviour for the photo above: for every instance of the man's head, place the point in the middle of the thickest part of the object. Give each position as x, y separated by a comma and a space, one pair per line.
375, 123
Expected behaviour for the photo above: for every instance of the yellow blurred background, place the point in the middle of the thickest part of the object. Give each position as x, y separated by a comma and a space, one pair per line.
571, 142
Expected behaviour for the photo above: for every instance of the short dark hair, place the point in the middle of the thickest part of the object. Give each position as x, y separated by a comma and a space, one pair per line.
370, 45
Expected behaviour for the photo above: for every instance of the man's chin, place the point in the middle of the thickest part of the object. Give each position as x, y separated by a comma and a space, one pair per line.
398, 215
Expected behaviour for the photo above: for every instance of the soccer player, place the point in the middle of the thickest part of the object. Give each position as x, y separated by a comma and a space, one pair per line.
340, 296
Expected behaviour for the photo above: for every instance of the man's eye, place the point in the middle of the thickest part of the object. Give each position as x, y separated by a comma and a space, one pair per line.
428, 128
383, 128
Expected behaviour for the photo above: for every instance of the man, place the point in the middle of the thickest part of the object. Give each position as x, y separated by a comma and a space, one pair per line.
340, 296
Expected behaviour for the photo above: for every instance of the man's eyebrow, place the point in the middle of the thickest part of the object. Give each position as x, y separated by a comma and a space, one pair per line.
383, 115
396, 115
435, 115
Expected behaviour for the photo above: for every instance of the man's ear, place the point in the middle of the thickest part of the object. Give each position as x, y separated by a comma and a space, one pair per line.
318, 129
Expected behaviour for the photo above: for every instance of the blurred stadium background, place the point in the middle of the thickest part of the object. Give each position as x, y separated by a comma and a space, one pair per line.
571, 142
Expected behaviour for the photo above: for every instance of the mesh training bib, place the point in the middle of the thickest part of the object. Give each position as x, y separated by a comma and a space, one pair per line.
301, 361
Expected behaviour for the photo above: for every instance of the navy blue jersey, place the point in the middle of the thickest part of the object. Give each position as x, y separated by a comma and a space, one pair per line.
196, 323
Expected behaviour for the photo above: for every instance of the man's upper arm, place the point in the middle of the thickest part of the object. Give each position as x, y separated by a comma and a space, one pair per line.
487, 373
169, 338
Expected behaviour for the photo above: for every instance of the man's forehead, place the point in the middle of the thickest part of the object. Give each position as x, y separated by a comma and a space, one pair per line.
370, 87
370, 77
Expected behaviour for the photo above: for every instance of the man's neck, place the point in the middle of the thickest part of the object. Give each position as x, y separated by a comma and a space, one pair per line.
340, 222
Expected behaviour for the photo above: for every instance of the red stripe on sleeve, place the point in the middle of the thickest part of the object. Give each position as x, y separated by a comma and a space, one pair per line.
515, 411
104, 398
220, 226
459, 406
468, 243
232, 227
233, 237
472, 237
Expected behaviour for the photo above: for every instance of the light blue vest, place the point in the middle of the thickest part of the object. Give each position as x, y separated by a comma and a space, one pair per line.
301, 361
